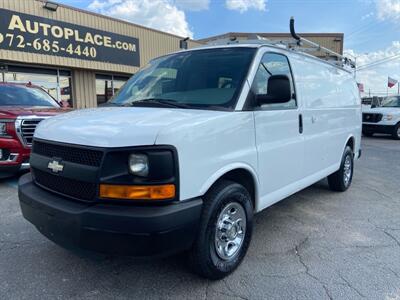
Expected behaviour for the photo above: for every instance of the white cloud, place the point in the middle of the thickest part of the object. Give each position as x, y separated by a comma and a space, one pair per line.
388, 10
375, 78
367, 16
244, 5
158, 14
194, 5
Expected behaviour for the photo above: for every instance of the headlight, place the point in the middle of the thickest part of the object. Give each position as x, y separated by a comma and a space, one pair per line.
3, 128
139, 164
388, 117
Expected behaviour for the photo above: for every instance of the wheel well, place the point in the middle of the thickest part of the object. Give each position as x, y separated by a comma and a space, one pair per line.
245, 178
350, 143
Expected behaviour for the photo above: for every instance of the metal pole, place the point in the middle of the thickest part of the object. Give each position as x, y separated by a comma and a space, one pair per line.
355, 68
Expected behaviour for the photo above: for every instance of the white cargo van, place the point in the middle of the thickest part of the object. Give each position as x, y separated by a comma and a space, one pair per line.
383, 119
189, 149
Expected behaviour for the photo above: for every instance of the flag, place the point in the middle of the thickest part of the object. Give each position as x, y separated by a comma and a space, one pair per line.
391, 82
360, 87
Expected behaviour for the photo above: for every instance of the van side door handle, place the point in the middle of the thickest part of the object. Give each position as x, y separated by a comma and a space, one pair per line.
313, 119
300, 123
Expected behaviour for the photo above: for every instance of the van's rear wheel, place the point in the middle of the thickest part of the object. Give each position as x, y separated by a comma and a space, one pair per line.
396, 132
225, 231
341, 180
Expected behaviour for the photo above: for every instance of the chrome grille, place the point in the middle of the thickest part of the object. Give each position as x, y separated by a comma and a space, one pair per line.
28, 127
372, 118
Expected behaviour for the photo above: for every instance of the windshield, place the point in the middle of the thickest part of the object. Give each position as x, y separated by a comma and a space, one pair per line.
205, 79
392, 102
19, 95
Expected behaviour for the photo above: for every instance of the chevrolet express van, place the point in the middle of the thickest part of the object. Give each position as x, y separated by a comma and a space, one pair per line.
189, 150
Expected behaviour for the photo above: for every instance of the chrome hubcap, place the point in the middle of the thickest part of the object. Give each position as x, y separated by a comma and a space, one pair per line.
230, 231
398, 132
347, 170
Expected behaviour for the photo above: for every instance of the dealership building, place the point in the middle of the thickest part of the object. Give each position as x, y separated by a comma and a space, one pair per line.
84, 58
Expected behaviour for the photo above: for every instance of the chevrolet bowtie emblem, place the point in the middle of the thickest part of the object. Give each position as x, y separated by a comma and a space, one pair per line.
55, 166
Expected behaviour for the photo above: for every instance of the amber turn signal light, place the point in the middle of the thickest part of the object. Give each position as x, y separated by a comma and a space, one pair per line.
137, 192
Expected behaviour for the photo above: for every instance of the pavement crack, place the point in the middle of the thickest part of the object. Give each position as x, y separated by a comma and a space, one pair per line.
230, 295
327, 292
296, 219
351, 286
307, 268
392, 237
233, 293
378, 192
282, 276
301, 260
394, 272
382, 228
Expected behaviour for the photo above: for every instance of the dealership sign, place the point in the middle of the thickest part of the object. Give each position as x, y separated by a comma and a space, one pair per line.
28, 33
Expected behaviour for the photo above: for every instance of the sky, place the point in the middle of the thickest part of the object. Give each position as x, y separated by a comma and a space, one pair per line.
371, 27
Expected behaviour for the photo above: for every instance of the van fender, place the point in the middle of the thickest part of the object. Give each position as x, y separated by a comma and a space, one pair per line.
221, 172
350, 136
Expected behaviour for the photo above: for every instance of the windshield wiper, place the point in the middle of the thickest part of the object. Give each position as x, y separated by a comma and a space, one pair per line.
167, 102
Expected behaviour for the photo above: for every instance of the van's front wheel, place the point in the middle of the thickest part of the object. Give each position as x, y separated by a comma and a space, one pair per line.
225, 231
396, 132
341, 180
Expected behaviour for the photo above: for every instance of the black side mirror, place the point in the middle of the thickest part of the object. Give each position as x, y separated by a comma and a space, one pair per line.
278, 91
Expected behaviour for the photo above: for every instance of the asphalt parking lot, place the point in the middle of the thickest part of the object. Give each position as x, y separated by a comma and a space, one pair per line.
314, 245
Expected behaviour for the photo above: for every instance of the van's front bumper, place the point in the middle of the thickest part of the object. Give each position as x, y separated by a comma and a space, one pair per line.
375, 128
106, 228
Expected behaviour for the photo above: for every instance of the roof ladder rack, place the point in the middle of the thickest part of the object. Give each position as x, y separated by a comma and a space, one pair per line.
300, 41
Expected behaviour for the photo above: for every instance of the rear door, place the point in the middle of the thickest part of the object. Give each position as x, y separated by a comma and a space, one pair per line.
279, 138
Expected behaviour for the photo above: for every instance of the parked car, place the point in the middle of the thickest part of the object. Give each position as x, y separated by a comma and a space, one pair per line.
22, 107
383, 119
189, 149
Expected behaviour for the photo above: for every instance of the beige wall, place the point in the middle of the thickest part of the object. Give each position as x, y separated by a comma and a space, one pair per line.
152, 43
84, 89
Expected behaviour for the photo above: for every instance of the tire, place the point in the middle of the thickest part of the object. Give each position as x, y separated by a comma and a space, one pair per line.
205, 258
396, 132
341, 180
367, 133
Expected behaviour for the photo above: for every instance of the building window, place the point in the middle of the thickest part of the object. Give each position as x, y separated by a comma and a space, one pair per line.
107, 86
55, 82
118, 82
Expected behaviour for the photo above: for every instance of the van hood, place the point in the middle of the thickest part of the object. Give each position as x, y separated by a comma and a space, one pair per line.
382, 110
114, 126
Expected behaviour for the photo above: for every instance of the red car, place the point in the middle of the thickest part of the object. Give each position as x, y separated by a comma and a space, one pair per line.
22, 107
